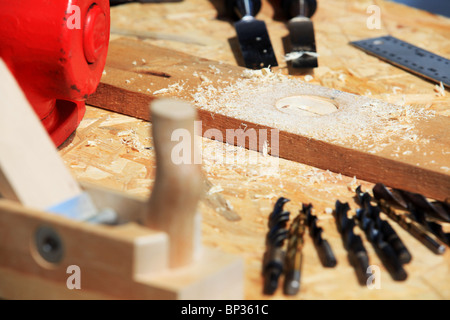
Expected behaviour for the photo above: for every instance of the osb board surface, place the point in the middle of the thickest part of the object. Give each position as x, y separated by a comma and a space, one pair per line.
105, 152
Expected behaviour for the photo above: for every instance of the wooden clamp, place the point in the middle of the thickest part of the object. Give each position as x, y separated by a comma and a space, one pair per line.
41, 253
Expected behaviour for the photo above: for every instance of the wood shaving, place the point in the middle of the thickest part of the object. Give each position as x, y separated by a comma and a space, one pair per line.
440, 90
125, 133
353, 185
215, 189
164, 90
215, 69
360, 120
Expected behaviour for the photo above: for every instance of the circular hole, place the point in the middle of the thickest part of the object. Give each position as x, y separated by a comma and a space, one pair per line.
306, 105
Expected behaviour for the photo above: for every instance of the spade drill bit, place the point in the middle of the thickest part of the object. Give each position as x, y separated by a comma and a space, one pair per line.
294, 255
357, 254
323, 248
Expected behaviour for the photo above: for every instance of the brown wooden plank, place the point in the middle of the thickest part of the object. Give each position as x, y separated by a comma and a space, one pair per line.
133, 67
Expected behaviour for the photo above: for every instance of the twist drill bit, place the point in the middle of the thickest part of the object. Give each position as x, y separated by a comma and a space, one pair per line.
421, 203
370, 221
418, 207
415, 229
435, 228
294, 255
381, 192
278, 210
323, 248
389, 234
274, 257
357, 254
396, 243
277, 224
273, 267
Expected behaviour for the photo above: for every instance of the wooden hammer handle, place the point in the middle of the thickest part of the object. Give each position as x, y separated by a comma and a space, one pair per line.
178, 183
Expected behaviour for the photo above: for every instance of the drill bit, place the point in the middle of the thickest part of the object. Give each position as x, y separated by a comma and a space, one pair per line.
415, 229
357, 254
294, 255
274, 257
421, 203
370, 221
272, 268
323, 248
419, 209
389, 234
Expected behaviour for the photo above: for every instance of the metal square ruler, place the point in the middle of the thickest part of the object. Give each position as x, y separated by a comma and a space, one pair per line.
408, 57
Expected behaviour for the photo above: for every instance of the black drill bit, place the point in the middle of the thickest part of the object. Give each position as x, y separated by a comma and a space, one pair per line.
419, 202
415, 229
273, 266
274, 257
357, 254
419, 209
322, 246
370, 221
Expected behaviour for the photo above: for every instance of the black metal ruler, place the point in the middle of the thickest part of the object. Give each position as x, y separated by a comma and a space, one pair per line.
408, 57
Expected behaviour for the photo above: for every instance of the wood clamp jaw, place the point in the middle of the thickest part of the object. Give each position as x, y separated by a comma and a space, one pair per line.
151, 251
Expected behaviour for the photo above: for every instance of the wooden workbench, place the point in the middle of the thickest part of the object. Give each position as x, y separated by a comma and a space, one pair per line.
104, 150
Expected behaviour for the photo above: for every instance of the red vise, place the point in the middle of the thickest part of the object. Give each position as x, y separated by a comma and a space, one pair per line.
57, 51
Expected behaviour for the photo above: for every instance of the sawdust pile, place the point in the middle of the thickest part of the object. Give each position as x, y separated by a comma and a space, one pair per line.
360, 120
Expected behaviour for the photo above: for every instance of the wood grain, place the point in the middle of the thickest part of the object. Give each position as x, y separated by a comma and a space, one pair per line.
100, 154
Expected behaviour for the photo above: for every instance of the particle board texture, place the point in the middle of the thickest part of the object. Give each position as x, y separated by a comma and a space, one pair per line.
115, 150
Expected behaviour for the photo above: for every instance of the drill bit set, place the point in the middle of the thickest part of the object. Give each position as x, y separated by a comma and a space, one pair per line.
413, 212
277, 261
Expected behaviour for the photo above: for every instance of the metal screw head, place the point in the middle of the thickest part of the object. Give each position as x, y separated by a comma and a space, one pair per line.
49, 244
